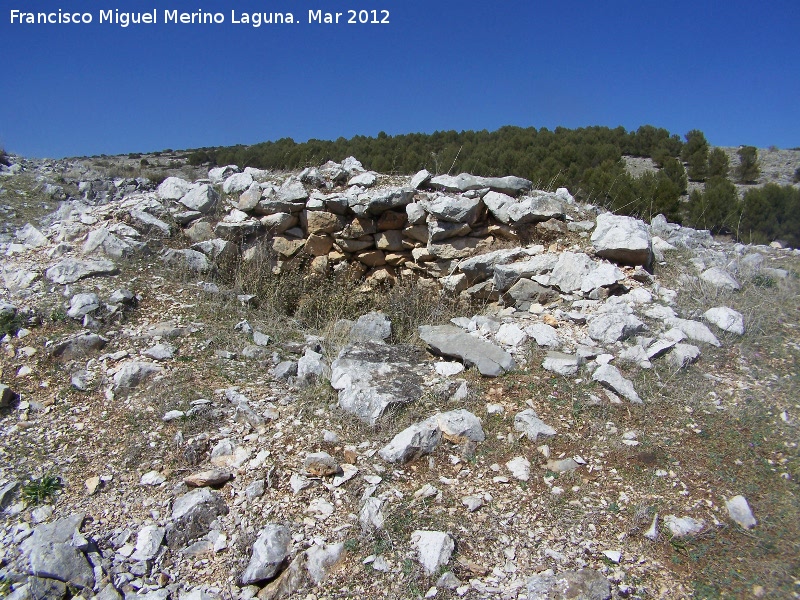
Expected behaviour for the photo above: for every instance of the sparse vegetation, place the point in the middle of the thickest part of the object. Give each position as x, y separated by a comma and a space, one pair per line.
41, 490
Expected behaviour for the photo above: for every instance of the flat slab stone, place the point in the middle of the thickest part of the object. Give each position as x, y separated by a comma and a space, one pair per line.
71, 270
450, 341
371, 375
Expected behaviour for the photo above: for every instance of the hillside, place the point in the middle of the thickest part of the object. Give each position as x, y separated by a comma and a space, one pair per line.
234, 382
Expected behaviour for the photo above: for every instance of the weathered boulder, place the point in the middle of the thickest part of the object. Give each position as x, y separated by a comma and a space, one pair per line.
81, 305
610, 376
55, 551
482, 267
173, 188
569, 585
70, 270
236, 183
449, 341
186, 258
454, 210
611, 327
694, 330
414, 441
202, 198
726, 319
133, 373
270, 550
77, 345
379, 201
192, 515
535, 209
622, 239
109, 244
530, 425
371, 375
720, 279
434, 549
563, 364
464, 182
506, 275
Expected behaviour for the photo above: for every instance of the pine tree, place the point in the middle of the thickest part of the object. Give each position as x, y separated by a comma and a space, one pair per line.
718, 163
748, 170
695, 154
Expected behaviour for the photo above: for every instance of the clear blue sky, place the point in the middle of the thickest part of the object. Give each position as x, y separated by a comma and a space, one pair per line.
727, 68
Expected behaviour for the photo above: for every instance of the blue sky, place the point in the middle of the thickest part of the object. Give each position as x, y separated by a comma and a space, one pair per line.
729, 69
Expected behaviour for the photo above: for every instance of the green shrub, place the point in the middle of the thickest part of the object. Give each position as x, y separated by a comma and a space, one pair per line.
4, 158
748, 170
42, 490
716, 208
771, 213
695, 155
718, 163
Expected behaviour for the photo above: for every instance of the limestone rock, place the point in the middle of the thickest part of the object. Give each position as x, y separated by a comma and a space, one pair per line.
726, 319
535, 209
269, 551
683, 355
450, 341
506, 275
70, 270
238, 182
414, 441
202, 198
148, 542
453, 209
530, 425
563, 364
543, 334
211, 478
739, 511
173, 188
370, 376
133, 373
622, 239
720, 279
459, 426
188, 259
77, 345
192, 515
81, 305
434, 549
321, 464
569, 585
611, 327
420, 179
520, 468
482, 267
465, 182
694, 330
683, 526
611, 377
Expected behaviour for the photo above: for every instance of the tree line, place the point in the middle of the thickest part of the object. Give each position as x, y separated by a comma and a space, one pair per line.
588, 161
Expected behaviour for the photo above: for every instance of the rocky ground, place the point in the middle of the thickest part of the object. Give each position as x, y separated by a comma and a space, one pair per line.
335, 383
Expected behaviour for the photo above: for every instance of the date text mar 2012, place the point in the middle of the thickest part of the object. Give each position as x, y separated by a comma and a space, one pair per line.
350, 17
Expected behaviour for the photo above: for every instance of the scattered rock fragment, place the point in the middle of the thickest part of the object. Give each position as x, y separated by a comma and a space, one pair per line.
434, 549
739, 511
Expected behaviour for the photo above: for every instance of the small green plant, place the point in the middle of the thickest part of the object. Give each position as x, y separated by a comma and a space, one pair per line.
5, 587
58, 315
351, 545
11, 324
44, 489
